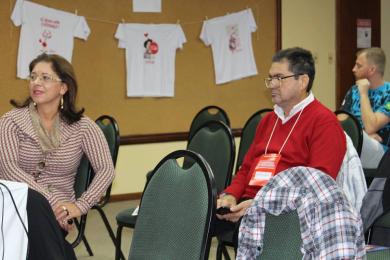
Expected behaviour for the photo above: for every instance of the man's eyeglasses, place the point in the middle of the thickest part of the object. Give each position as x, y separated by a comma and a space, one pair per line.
270, 81
45, 78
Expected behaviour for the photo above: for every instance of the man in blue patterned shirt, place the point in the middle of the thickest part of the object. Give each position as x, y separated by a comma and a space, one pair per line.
369, 101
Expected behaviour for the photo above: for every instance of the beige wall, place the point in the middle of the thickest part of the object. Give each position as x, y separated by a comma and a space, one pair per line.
385, 35
134, 161
311, 24
301, 20
306, 23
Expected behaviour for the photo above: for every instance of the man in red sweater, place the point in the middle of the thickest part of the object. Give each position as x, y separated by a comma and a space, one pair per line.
299, 132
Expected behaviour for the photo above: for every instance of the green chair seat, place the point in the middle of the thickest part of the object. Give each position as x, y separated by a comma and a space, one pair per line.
379, 255
125, 218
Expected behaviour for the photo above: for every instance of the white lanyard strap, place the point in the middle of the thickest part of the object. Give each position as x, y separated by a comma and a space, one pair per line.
272, 133
288, 136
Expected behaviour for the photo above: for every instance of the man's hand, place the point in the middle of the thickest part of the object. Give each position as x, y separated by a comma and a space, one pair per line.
363, 86
237, 211
227, 201
64, 212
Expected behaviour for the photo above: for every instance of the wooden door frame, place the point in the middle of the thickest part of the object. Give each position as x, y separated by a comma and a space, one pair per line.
358, 11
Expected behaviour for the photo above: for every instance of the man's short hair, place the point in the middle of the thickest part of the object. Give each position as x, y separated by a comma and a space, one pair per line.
376, 56
300, 62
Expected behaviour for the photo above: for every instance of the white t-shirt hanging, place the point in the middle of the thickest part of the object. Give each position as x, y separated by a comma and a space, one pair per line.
150, 57
45, 30
231, 42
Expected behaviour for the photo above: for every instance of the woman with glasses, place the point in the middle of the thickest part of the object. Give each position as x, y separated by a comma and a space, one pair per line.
43, 140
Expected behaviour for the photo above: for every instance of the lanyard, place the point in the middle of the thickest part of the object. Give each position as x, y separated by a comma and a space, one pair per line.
288, 136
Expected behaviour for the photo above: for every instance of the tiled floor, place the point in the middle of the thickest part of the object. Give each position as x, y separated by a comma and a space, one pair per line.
100, 241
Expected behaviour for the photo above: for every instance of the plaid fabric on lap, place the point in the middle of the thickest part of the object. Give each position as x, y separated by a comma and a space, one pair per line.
330, 227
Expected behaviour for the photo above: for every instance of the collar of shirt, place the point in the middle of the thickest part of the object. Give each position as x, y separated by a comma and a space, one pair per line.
298, 107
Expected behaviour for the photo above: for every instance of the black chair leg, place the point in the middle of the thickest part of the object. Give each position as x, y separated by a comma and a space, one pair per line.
118, 250
87, 246
219, 252
109, 229
225, 253
84, 239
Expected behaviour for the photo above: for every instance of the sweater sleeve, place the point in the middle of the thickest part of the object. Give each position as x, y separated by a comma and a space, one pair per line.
9, 157
240, 181
327, 147
96, 149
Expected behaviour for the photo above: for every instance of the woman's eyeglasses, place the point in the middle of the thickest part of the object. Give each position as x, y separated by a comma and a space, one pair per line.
45, 78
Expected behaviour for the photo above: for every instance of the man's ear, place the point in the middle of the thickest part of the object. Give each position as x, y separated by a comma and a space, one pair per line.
372, 69
304, 81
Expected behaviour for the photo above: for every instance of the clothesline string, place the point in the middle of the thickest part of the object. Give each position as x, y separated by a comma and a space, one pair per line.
257, 11
181, 23
256, 7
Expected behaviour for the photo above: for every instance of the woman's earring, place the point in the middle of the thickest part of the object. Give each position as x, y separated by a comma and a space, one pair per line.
35, 104
62, 102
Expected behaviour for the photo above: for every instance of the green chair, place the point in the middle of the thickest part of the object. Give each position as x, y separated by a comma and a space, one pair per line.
176, 211
379, 255
110, 129
382, 221
352, 127
206, 114
214, 141
248, 134
82, 181
282, 237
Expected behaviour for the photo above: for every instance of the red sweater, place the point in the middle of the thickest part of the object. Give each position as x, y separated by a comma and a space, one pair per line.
317, 141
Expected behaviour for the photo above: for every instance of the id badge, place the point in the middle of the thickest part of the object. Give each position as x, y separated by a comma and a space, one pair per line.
264, 169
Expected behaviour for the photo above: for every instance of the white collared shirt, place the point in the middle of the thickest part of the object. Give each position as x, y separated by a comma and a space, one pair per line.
298, 107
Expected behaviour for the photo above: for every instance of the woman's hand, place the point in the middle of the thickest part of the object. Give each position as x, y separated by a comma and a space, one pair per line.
65, 212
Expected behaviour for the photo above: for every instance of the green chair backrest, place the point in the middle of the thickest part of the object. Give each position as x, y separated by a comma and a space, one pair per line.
83, 177
282, 237
353, 128
383, 171
248, 134
383, 221
110, 129
379, 255
176, 211
215, 142
208, 113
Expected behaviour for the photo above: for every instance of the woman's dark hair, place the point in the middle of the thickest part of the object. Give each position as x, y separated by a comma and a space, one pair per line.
146, 42
65, 72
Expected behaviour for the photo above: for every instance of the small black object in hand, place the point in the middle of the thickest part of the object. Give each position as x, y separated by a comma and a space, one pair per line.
223, 210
